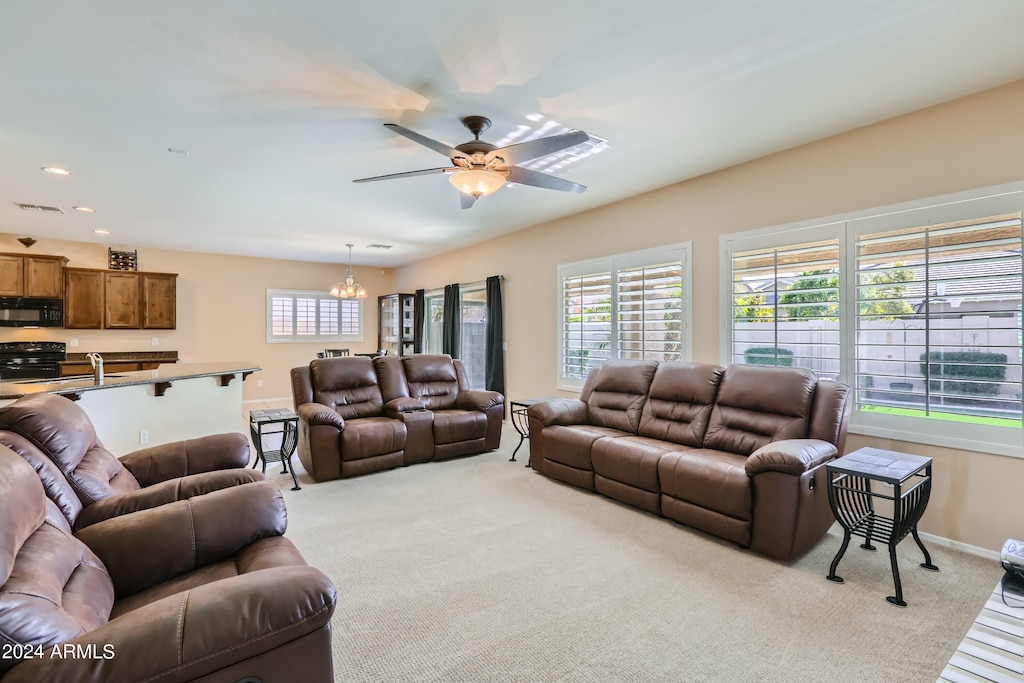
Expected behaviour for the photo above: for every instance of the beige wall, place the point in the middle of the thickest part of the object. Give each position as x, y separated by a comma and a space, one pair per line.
221, 308
964, 144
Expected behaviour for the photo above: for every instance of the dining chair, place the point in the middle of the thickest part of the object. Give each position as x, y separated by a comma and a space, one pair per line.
335, 353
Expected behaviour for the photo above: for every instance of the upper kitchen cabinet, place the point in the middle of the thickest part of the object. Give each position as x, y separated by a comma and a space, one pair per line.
83, 298
159, 301
122, 294
115, 299
35, 276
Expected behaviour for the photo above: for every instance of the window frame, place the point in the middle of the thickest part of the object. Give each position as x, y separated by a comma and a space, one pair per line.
613, 264
926, 430
294, 337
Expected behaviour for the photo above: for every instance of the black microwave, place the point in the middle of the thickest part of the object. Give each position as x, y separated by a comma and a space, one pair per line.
27, 311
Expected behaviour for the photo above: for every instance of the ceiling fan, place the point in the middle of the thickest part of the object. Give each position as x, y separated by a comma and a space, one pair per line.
479, 168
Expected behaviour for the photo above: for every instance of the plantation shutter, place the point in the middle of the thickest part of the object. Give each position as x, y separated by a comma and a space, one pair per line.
650, 311
586, 321
349, 316
786, 306
282, 322
938, 317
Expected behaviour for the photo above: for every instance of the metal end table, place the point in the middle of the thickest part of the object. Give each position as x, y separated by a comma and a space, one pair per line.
853, 503
521, 421
289, 421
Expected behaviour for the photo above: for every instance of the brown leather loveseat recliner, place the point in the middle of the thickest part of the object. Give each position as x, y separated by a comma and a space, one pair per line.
738, 452
358, 416
201, 589
89, 484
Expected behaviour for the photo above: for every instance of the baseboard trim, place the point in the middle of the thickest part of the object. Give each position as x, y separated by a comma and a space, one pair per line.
958, 545
266, 400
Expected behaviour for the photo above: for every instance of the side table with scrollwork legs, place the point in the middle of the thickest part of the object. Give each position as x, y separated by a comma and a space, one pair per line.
853, 502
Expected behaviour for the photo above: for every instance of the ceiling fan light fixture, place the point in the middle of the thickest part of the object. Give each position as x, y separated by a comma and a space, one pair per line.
349, 289
477, 182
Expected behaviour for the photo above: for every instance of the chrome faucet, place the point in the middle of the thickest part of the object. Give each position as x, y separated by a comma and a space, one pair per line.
97, 366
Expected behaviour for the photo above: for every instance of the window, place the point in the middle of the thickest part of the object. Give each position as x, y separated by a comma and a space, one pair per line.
785, 307
918, 307
312, 317
627, 306
473, 345
433, 322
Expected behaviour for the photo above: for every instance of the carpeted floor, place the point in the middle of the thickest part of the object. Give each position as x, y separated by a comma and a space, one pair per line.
479, 569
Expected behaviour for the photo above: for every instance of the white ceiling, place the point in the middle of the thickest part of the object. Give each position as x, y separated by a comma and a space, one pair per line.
280, 105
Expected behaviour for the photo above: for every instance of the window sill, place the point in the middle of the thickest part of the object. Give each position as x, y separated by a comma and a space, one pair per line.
970, 445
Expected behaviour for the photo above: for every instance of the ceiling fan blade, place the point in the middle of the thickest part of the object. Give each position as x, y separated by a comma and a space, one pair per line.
531, 149
467, 200
525, 176
444, 149
407, 174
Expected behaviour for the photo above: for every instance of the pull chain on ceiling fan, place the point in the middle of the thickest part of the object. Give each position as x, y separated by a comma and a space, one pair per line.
479, 168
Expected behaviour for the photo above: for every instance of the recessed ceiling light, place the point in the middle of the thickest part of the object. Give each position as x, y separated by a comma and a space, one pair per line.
102, 232
56, 170
84, 209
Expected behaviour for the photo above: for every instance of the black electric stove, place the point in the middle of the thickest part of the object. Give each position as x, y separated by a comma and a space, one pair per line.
30, 360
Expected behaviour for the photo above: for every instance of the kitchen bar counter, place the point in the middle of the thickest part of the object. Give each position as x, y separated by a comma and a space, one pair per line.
73, 387
149, 407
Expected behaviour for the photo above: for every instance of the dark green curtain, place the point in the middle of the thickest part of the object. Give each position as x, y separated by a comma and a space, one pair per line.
418, 308
494, 359
451, 326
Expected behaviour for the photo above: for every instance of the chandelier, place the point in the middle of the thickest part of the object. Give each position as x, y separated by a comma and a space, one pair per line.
349, 289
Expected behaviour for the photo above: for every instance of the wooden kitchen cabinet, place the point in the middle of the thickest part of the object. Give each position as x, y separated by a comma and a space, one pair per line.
119, 300
36, 276
70, 369
122, 297
159, 301
83, 298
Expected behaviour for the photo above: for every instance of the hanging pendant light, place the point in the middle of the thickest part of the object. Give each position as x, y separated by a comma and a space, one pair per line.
349, 289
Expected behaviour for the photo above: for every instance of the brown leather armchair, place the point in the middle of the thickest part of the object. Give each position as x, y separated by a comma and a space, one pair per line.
344, 429
205, 589
465, 421
89, 484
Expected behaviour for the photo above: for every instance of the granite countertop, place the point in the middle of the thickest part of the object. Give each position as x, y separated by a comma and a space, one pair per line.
125, 356
162, 375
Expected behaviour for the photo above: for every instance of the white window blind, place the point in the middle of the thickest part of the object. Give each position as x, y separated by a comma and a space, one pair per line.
627, 306
938, 322
295, 316
785, 307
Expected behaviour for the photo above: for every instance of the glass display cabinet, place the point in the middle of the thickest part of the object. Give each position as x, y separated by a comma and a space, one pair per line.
396, 314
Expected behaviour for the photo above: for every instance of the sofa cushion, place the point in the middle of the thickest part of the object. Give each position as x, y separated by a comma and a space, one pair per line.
758, 405
631, 460
369, 436
348, 385
618, 394
452, 426
432, 379
714, 480
266, 553
52, 587
679, 402
572, 445
62, 431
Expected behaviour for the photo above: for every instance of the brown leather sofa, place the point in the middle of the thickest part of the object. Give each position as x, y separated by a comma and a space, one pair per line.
204, 589
735, 451
89, 484
358, 416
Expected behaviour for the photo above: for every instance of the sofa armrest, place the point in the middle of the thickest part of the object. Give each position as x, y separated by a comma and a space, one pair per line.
561, 411
163, 493
319, 414
145, 548
197, 632
476, 399
181, 458
792, 456
402, 404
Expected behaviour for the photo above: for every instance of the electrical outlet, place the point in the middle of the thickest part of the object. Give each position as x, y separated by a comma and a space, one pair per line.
73, 342
155, 341
144, 437
259, 383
